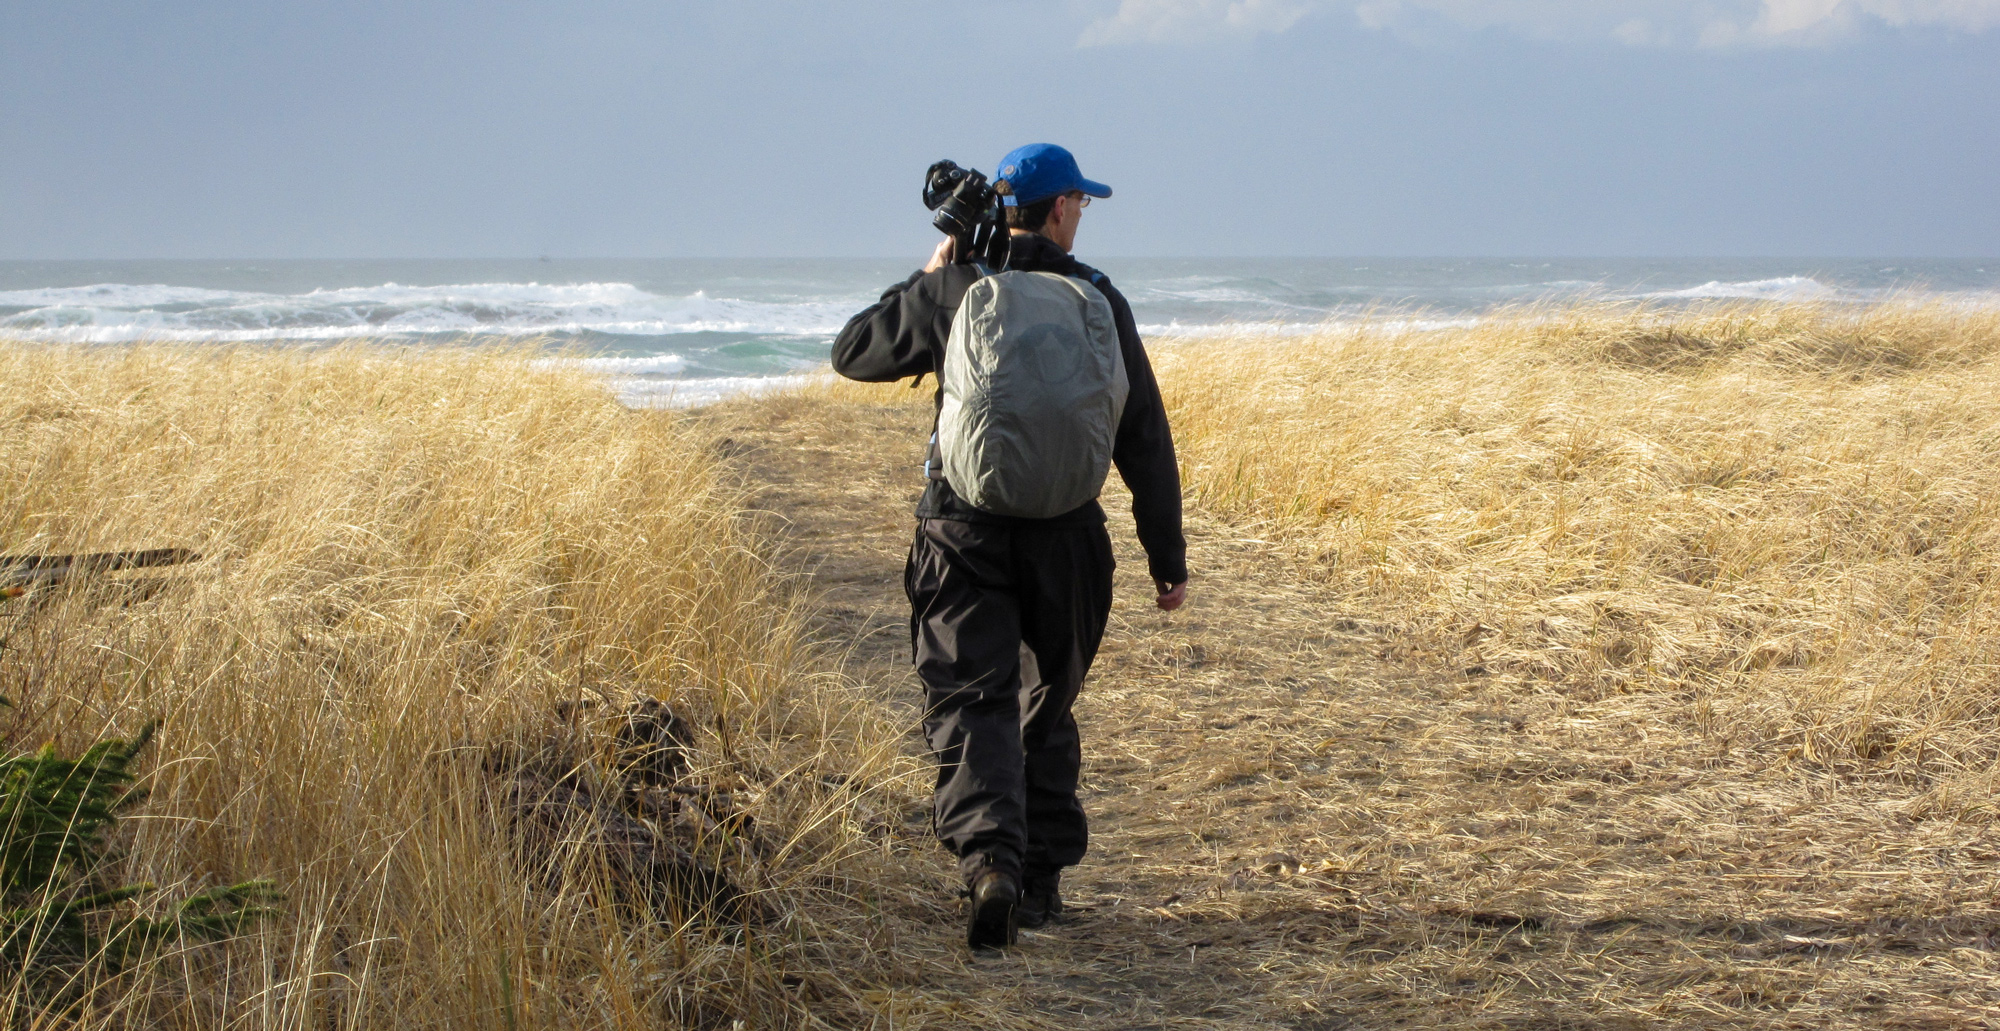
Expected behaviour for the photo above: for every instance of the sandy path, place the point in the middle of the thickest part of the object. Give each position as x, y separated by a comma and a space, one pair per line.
1296, 827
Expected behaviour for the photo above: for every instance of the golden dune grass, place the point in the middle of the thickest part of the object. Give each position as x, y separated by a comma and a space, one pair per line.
1784, 514
1306, 814
1775, 518
409, 558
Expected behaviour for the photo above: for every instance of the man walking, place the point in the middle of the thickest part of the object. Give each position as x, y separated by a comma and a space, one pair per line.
1007, 612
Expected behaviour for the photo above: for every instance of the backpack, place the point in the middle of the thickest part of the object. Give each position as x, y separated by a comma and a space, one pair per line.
1034, 385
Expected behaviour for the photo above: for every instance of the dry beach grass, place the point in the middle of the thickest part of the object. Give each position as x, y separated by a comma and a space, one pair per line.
1573, 669
1599, 668
411, 563
1784, 514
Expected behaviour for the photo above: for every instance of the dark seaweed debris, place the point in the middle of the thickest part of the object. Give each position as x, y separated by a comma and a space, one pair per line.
610, 796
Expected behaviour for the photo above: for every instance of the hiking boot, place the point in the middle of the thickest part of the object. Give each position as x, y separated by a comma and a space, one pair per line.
989, 920
1041, 900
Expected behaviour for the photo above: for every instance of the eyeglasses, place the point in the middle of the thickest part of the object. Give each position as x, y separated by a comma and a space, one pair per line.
1082, 199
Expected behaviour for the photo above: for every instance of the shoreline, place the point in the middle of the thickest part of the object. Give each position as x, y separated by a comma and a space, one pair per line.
666, 378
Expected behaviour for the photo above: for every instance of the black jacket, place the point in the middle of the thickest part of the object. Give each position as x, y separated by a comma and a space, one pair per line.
904, 334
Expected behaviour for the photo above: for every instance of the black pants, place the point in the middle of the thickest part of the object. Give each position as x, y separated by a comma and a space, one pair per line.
1004, 623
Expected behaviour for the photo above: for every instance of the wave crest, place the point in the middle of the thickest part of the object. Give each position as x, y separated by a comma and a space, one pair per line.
1783, 288
120, 313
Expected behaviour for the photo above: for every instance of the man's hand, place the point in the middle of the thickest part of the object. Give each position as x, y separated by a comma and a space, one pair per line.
1171, 595
943, 255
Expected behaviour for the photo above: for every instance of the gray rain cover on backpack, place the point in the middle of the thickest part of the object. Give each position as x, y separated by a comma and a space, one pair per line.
1034, 385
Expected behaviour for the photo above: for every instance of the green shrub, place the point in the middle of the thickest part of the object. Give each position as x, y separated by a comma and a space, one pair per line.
57, 911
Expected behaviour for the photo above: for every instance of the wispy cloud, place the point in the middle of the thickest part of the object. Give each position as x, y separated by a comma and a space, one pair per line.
1191, 21
1713, 23
1667, 22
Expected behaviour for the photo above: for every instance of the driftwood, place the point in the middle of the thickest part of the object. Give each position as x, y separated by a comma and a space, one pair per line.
48, 570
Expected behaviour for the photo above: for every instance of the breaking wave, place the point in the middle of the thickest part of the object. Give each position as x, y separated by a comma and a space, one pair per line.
121, 313
689, 332
1783, 288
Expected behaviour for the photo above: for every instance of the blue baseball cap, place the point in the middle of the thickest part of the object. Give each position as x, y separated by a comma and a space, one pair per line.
1039, 171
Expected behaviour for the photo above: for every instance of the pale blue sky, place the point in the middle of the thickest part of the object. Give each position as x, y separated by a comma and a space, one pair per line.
414, 128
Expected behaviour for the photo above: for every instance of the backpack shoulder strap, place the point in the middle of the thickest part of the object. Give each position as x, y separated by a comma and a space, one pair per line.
1091, 276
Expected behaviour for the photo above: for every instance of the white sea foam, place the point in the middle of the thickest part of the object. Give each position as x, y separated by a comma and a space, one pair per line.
121, 313
688, 393
1229, 295
1211, 330
640, 365
1542, 291
1784, 288
111, 295
1229, 329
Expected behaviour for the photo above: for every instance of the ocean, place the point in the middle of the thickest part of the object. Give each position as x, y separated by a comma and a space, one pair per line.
682, 331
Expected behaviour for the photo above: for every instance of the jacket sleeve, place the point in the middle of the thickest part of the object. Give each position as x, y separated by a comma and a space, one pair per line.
1144, 454
901, 334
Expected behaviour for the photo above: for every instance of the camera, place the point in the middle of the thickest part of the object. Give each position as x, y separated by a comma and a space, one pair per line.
966, 208
961, 197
